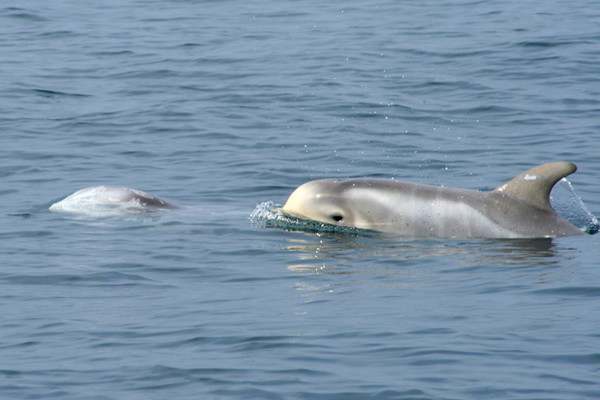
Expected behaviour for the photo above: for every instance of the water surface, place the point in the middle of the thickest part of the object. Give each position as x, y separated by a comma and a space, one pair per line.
219, 106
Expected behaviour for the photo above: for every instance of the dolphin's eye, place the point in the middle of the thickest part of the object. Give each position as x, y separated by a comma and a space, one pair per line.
337, 217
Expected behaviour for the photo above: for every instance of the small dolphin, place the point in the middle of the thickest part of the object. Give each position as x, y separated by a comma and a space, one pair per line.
108, 200
519, 208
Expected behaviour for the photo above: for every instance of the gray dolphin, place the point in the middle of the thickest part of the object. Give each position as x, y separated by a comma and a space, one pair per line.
520, 208
109, 200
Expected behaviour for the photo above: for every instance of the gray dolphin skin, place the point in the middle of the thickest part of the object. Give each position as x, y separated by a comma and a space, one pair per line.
520, 208
101, 200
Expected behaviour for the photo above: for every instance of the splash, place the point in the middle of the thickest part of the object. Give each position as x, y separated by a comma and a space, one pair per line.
570, 206
269, 215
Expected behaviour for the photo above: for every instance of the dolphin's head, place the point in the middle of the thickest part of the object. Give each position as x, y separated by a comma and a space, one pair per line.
323, 201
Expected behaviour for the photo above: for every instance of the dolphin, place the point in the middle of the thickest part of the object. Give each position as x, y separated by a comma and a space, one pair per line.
520, 208
109, 200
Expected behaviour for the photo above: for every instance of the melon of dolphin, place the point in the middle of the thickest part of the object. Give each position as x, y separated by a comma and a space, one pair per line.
520, 208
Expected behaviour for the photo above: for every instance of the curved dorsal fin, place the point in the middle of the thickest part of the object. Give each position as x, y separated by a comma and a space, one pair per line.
533, 186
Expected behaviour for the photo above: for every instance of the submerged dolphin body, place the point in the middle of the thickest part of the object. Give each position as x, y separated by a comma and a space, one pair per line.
519, 208
108, 200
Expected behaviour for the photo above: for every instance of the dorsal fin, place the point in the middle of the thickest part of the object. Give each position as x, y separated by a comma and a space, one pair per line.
533, 186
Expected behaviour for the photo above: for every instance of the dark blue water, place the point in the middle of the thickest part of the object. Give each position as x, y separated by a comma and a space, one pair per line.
219, 106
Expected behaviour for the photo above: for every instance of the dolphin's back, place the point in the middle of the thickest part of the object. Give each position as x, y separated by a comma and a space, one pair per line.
526, 220
417, 210
108, 200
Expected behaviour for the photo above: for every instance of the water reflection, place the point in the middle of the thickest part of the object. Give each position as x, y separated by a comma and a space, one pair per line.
340, 253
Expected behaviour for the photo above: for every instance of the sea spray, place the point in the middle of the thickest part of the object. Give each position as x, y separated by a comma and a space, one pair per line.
570, 206
269, 215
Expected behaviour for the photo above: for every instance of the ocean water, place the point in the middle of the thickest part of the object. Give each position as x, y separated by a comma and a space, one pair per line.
224, 107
